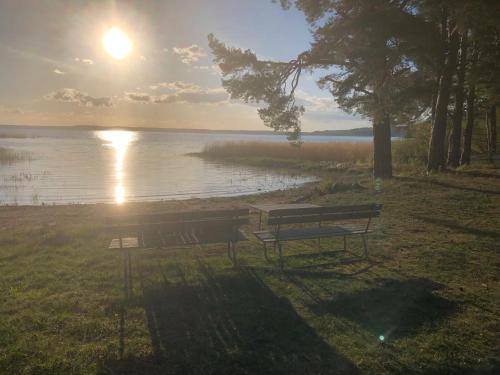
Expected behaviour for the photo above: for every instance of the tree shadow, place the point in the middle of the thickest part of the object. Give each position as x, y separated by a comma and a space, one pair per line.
227, 325
460, 228
394, 309
446, 185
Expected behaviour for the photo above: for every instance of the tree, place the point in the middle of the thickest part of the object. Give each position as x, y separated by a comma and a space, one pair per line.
438, 134
366, 48
456, 130
471, 99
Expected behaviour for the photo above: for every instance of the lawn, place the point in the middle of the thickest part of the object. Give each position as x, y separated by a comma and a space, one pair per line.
425, 301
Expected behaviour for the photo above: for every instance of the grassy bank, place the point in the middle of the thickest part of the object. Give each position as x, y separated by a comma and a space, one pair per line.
430, 287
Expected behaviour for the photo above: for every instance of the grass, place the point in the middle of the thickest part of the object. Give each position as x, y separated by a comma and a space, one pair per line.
8, 156
338, 152
430, 287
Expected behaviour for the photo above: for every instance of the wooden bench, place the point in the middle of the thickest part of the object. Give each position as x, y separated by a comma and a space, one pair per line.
350, 221
171, 229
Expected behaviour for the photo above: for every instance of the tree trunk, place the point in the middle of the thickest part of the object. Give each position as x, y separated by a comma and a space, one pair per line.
471, 97
441, 60
492, 124
456, 130
438, 135
382, 148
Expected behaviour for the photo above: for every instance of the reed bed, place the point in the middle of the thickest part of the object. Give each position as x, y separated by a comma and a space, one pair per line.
339, 152
8, 156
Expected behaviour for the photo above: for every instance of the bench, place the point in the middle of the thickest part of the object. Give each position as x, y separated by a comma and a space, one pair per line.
350, 221
173, 229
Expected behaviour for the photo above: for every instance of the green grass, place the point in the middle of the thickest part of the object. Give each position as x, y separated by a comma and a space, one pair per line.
430, 287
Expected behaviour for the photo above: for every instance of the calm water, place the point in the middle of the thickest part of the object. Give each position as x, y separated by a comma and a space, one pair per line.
80, 166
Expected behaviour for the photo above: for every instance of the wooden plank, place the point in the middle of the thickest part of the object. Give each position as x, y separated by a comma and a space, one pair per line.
308, 233
178, 225
285, 206
324, 210
177, 216
303, 219
126, 243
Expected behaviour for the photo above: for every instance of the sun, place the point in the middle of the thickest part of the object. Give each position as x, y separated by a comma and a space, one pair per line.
117, 43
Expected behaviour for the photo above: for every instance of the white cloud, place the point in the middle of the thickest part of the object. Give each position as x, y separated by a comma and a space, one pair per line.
317, 103
10, 110
190, 54
74, 96
60, 72
84, 61
176, 86
183, 92
213, 69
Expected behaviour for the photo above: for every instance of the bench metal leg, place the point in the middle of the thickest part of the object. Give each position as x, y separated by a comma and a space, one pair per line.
231, 251
235, 261
280, 253
127, 274
364, 245
265, 251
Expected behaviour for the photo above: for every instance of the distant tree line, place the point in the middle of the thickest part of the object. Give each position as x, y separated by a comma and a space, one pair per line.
392, 61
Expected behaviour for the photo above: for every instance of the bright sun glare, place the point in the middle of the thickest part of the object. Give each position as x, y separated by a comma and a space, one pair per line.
117, 43
119, 140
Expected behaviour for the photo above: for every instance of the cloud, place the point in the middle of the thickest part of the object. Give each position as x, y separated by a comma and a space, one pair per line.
213, 69
176, 86
190, 54
10, 110
60, 72
138, 97
317, 103
84, 61
75, 96
183, 93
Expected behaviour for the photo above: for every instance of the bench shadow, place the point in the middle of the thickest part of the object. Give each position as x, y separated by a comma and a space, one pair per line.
393, 309
226, 325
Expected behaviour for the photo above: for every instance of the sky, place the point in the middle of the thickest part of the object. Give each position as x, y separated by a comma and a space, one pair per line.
56, 71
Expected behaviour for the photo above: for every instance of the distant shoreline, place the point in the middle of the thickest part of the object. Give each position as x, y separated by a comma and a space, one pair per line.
357, 132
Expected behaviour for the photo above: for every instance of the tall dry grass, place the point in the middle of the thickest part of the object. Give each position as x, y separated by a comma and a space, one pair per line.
340, 152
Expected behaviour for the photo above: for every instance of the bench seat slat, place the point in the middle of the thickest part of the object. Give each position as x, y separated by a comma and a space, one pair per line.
324, 210
126, 243
322, 218
309, 233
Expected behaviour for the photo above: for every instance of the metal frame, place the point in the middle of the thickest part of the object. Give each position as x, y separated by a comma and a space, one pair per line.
278, 243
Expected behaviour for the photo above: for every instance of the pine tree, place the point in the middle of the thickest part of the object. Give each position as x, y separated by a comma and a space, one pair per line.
367, 47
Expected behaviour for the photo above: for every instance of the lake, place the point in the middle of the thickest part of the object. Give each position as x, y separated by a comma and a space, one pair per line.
114, 166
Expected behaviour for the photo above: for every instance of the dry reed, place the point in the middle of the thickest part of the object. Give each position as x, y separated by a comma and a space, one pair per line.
8, 156
339, 152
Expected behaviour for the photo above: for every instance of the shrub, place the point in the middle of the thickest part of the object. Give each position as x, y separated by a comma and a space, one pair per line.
413, 149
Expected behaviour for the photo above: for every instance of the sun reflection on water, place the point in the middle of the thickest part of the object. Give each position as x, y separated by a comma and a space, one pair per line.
119, 140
